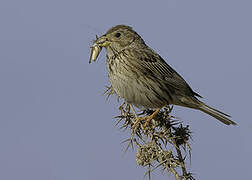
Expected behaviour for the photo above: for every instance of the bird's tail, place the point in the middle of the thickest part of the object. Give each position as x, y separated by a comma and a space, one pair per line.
194, 103
216, 114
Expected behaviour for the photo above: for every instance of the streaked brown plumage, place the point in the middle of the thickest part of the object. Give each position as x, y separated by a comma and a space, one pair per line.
141, 76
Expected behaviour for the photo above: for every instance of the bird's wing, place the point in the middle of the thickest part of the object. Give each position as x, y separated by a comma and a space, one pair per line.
154, 65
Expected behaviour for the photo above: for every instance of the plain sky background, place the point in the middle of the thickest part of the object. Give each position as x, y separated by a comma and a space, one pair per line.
54, 121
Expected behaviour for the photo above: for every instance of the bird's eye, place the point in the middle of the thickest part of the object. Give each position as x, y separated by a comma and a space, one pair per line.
117, 35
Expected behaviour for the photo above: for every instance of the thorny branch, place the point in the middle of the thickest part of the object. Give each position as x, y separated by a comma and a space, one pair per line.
162, 144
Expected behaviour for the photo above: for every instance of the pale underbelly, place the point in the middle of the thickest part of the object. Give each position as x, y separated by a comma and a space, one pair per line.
140, 92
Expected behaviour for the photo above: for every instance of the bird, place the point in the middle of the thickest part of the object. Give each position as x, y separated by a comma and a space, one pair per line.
142, 77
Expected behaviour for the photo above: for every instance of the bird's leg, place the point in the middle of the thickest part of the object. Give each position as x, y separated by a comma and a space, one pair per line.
150, 117
136, 117
147, 119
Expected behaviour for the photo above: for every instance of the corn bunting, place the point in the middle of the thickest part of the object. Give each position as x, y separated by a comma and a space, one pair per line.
141, 76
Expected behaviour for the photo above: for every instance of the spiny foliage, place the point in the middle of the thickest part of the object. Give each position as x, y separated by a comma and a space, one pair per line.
162, 144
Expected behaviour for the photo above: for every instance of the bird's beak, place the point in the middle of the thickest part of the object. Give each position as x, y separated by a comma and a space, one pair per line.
96, 48
102, 41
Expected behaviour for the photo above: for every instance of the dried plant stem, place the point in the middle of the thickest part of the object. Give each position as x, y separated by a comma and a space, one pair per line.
181, 159
159, 144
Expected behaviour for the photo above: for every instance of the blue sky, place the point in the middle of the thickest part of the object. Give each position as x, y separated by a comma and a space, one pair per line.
55, 124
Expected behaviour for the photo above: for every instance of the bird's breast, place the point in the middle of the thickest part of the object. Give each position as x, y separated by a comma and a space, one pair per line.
134, 87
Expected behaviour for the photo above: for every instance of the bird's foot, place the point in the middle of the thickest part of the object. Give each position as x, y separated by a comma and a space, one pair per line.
147, 119
137, 121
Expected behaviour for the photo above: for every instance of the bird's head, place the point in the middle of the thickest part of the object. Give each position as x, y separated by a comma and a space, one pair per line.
116, 39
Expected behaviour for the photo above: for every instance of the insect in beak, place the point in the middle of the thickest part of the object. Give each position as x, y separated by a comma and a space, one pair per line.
95, 50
